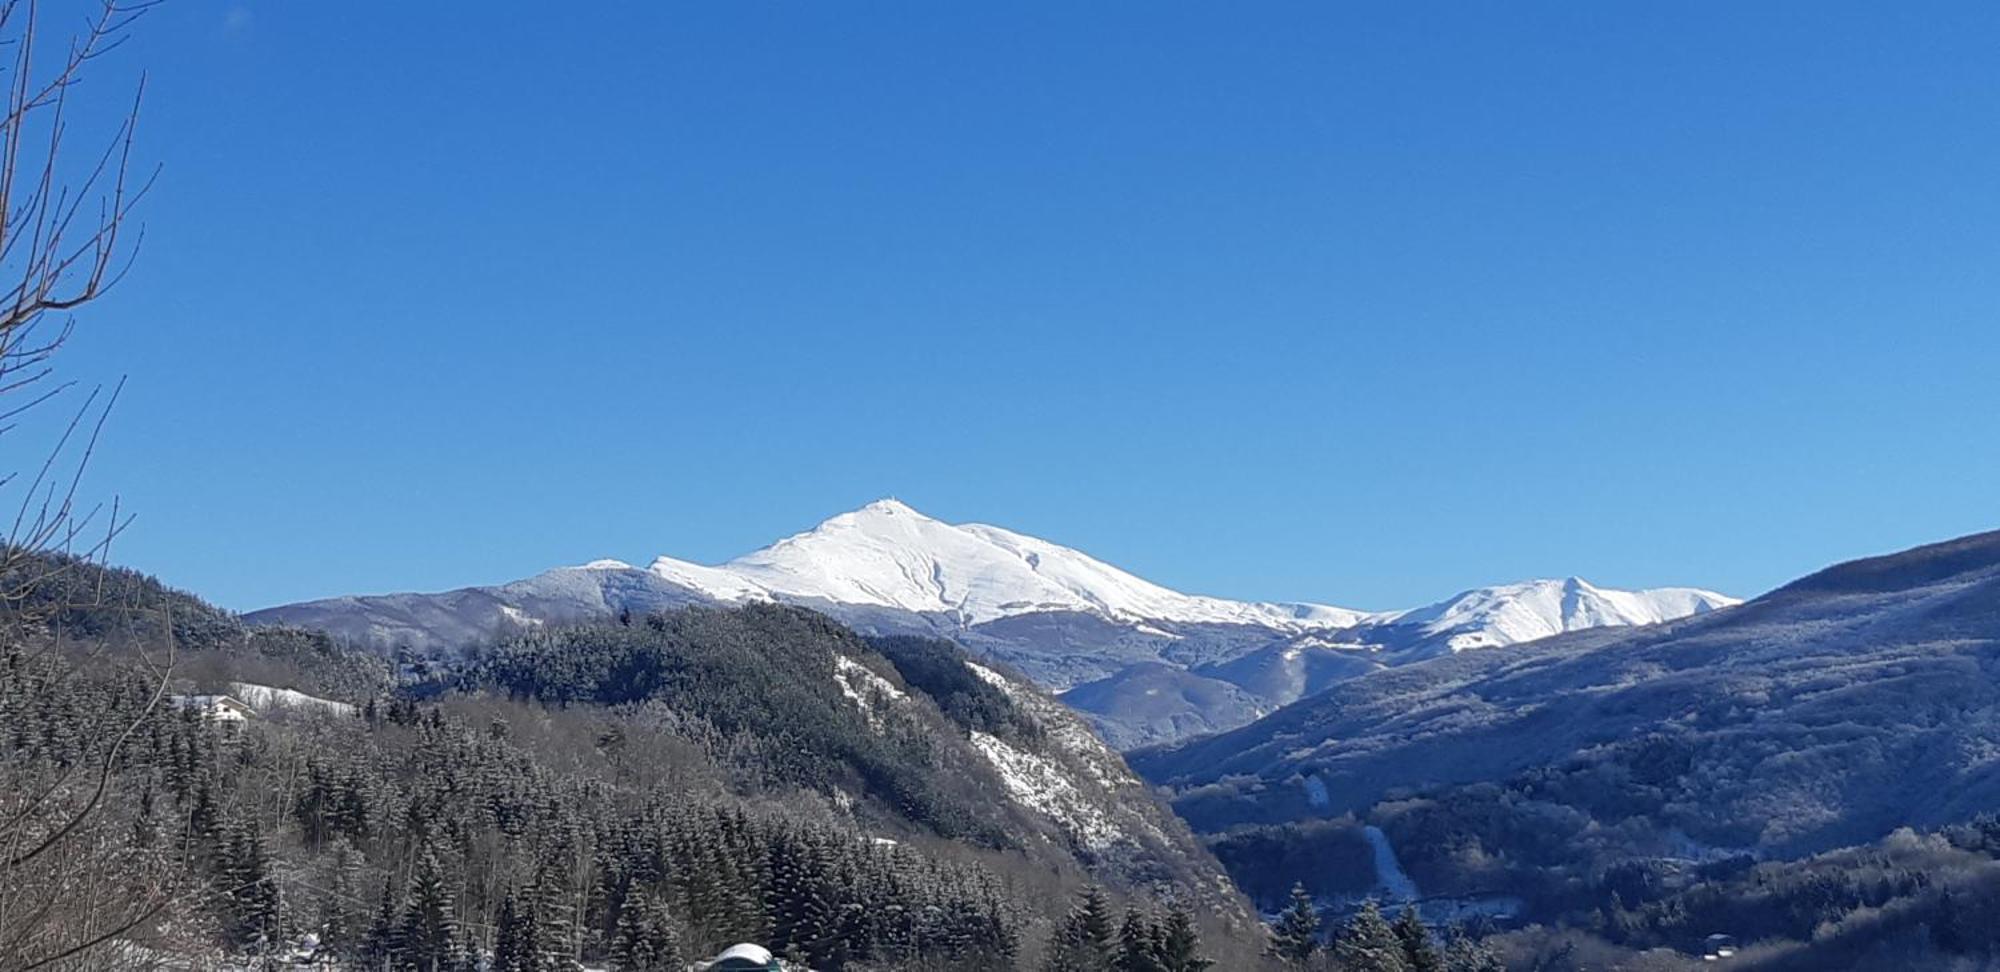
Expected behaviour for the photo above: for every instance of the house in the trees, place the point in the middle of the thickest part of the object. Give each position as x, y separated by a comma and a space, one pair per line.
224, 709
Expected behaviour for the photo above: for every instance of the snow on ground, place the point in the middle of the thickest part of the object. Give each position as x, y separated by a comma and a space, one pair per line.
1389, 876
521, 618
1064, 728
1039, 784
266, 697
869, 692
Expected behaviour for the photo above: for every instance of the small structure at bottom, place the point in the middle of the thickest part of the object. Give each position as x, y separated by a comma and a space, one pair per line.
1718, 947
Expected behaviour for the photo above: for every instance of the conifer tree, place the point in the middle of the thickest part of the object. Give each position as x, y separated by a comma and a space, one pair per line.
339, 931
551, 915
1138, 947
1180, 945
646, 940
1465, 954
379, 945
513, 937
1419, 952
428, 934
1296, 936
250, 896
1083, 942
1368, 944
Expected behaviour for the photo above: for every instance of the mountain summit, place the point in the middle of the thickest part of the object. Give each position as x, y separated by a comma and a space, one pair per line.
888, 555
1145, 662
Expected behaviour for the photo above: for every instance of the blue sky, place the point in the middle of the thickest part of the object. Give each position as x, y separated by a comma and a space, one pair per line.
1358, 303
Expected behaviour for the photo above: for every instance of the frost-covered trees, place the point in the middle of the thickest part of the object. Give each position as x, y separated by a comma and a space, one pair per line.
1084, 940
1368, 944
1420, 954
427, 937
1296, 937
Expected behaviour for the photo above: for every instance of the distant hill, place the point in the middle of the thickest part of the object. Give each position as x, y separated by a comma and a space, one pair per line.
1828, 713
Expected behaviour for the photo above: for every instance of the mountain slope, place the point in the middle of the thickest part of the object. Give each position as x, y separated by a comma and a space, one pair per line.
1068, 621
1855, 700
736, 768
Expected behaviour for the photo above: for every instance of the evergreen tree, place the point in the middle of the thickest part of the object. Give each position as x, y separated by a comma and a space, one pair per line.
1138, 946
646, 940
1083, 942
550, 911
1368, 944
1296, 936
513, 937
1180, 944
428, 934
1420, 954
1466, 954
249, 895
379, 945
340, 931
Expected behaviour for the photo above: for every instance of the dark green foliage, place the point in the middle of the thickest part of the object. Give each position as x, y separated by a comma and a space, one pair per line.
1420, 954
763, 672
1296, 935
937, 668
1084, 941
116, 610
1329, 857
1180, 943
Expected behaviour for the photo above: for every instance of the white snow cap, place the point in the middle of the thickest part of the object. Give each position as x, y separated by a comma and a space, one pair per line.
890, 555
1511, 613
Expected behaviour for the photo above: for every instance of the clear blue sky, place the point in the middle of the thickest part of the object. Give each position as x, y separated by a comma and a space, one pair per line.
1359, 303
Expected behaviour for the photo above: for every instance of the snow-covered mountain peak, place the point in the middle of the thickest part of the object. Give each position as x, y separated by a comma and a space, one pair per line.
1507, 614
888, 554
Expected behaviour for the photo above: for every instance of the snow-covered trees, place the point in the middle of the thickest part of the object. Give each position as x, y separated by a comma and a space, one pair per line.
1420, 954
1086, 941
1296, 937
1368, 944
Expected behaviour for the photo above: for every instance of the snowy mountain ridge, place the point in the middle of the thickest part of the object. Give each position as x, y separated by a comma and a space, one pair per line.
1144, 662
1507, 614
888, 555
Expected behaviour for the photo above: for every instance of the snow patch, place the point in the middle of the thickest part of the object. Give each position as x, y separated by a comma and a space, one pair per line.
1064, 728
1039, 784
267, 697
518, 617
869, 692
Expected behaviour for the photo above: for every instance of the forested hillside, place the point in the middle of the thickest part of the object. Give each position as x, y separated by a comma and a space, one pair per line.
632, 793
1625, 783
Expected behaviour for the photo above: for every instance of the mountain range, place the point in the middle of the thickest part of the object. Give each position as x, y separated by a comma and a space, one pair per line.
1145, 663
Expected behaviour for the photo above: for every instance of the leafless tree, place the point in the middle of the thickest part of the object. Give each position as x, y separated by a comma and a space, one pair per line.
74, 887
